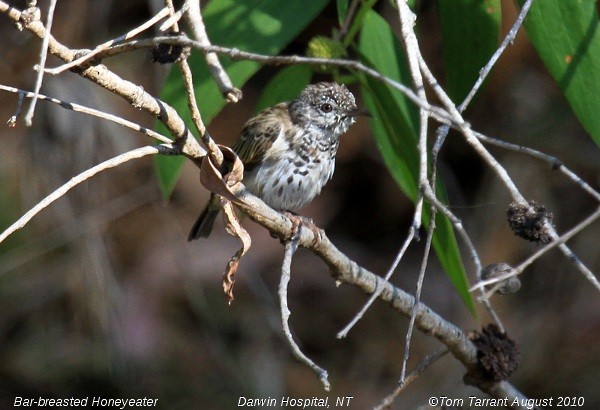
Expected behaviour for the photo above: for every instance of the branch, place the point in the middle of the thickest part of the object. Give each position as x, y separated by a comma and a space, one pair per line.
436, 112
554, 162
110, 81
86, 110
217, 71
557, 242
421, 367
290, 249
131, 33
43, 55
345, 270
73, 182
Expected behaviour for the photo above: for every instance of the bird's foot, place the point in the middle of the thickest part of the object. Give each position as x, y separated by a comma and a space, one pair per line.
298, 222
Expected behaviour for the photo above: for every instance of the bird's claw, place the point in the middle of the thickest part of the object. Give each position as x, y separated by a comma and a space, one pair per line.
299, 222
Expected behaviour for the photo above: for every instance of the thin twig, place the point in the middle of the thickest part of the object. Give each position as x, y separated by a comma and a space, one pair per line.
442, 131
421, 367
290, 248
213, 150
458, 226
407, 21
90, 111
41, 65
437, 113
574, 259
380, 283
175, 16
349, 16
413, 313
521, 267
554, 162
78, 179
132, 33
217, 71
508, 40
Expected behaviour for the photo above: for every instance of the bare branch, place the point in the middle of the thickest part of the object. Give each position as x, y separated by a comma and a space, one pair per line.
421, 367
556, 242
413, 313
290, 248
220, 76
508, 40
131, 92
132, 33
554, 162
175, 16
437, 113
213, 150
86, 110
42, 63
76, 180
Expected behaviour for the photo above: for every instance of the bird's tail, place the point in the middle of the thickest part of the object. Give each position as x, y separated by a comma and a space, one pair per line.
204, 224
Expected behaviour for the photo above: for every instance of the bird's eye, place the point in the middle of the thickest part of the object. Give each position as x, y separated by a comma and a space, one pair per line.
326, 107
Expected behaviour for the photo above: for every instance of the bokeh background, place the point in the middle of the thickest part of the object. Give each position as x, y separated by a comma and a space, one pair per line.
101, 294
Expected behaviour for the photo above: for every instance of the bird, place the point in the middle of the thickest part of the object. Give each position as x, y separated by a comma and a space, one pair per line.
289, 150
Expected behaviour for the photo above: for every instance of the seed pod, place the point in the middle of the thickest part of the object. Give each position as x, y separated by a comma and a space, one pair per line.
169, 53
497, 354
529, 221
495, 270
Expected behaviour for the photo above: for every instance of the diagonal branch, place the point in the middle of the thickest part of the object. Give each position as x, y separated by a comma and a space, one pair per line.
86, 110
76, 180
132, 33
217, 71
105, 78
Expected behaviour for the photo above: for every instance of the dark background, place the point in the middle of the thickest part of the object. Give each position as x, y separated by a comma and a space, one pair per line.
101, 294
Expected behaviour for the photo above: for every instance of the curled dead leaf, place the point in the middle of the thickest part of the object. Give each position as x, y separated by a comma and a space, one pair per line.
212, 179
234, 228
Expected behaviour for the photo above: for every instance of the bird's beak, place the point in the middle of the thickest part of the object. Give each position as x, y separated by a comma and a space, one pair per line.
358, 112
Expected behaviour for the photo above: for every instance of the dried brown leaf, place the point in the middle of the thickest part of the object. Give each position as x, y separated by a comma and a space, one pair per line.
234, 228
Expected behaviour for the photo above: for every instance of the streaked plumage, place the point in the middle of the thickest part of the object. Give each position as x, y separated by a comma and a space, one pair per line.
289, 150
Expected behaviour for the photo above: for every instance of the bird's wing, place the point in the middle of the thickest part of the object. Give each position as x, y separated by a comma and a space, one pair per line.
259, 134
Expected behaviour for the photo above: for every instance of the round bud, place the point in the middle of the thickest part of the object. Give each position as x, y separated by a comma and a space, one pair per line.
495, 270
324, 47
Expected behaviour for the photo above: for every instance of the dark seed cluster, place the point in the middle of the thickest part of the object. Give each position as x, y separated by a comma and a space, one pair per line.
497, 354
169, 53
529, 222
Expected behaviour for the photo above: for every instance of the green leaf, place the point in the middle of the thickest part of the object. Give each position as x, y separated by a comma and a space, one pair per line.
395, 123
566, 35
470, 32
342, 9
286, 85
261, 26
